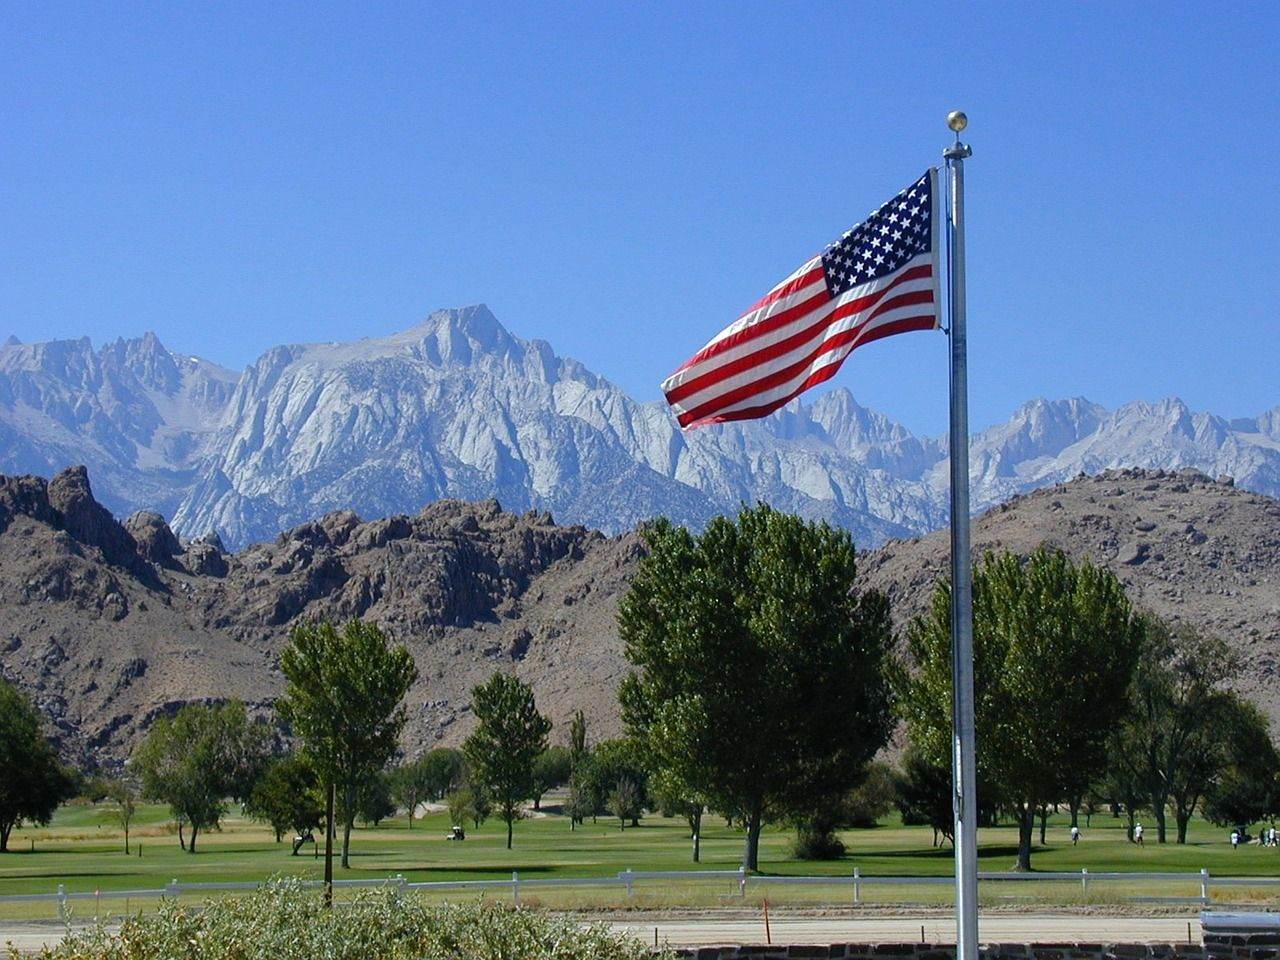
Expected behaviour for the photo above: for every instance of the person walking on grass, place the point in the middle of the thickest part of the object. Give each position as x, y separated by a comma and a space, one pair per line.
1235, 839
1137, 834
1075, 835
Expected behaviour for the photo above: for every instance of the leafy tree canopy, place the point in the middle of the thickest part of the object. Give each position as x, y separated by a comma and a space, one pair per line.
344, 699
506, 743
760, 669
1055, 643
199, 758
32, 781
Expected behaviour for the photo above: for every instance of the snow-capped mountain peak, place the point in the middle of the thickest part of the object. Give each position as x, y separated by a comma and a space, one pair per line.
457, 406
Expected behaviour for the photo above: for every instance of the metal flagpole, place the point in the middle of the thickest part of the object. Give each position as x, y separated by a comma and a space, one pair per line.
964, 779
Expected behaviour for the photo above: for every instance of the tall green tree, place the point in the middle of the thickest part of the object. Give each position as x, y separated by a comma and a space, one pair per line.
288, 796
344, 699
198, 759
578, 738
32, 780
553, 768
676, 799
1247, 788
1055, 643
620, 758
444, 768
125, 797
924, 794
505, 745
760, 677
1172, 737
411, 784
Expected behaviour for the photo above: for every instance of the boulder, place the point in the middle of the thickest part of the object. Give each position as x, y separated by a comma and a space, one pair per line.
155, 540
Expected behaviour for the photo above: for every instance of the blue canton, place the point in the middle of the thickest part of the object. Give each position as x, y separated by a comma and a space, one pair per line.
895, 233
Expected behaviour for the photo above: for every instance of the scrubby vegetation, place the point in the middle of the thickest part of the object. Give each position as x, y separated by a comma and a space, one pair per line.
282, 921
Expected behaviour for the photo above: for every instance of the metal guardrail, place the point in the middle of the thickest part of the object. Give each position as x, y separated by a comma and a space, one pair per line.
741, 880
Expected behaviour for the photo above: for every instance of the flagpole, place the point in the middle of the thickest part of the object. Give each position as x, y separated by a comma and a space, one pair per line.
964, 779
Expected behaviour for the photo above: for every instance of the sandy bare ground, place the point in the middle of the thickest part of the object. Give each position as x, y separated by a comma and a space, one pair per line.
936, 929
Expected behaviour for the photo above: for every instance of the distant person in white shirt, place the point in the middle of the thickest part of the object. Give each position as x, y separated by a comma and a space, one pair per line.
1075, 835
1235, 839
1137, 835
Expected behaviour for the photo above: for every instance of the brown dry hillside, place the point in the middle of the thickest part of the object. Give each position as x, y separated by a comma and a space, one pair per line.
1186, 547
110, 624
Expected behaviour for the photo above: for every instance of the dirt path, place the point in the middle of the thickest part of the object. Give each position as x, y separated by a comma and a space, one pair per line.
1024, 928
1008, 928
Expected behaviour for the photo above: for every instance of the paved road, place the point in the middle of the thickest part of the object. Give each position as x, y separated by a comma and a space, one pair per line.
1008, 927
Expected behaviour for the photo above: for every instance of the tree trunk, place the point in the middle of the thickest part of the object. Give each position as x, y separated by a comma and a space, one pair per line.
751, 851
510, 821
331, 796
537, 803
191, 846
126, 839
1075, 813
1182, 819
697, 836
347, 823
182, 840
1026, 823
1160, 822
1129, 812
5, 830
1044, 821
413, 805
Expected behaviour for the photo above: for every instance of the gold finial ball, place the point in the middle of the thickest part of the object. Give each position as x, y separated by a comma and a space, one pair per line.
957, 120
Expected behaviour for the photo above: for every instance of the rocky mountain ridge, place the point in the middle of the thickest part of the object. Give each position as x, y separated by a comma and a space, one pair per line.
109, 624
457, 407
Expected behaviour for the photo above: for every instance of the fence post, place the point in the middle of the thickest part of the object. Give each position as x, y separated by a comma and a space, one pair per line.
1084, 880
62, 904
857, 886
1204, 884
628, 878
515, 886
742, 882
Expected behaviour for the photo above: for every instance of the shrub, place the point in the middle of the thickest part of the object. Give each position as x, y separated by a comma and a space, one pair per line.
817, 844
282, 921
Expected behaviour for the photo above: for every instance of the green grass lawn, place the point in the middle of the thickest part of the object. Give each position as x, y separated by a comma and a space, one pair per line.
83, 850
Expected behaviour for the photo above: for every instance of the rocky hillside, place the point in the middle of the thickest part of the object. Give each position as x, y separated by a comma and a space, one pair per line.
458, 407
109, 624
1187, 547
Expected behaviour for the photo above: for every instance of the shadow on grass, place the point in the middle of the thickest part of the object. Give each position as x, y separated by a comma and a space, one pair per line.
485, 872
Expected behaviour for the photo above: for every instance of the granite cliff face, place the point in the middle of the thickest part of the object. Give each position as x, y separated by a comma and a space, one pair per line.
137, 415
457, 407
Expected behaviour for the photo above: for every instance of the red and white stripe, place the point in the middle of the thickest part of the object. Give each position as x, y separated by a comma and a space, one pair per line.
796, 337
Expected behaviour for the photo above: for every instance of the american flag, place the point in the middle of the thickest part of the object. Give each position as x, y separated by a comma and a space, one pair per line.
879, 279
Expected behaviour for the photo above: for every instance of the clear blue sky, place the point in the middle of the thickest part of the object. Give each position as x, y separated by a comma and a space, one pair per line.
622, 179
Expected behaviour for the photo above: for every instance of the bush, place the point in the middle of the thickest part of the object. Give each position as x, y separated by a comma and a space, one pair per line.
281, 921
817, 845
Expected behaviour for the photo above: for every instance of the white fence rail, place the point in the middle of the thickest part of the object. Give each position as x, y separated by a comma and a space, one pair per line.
740, 882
